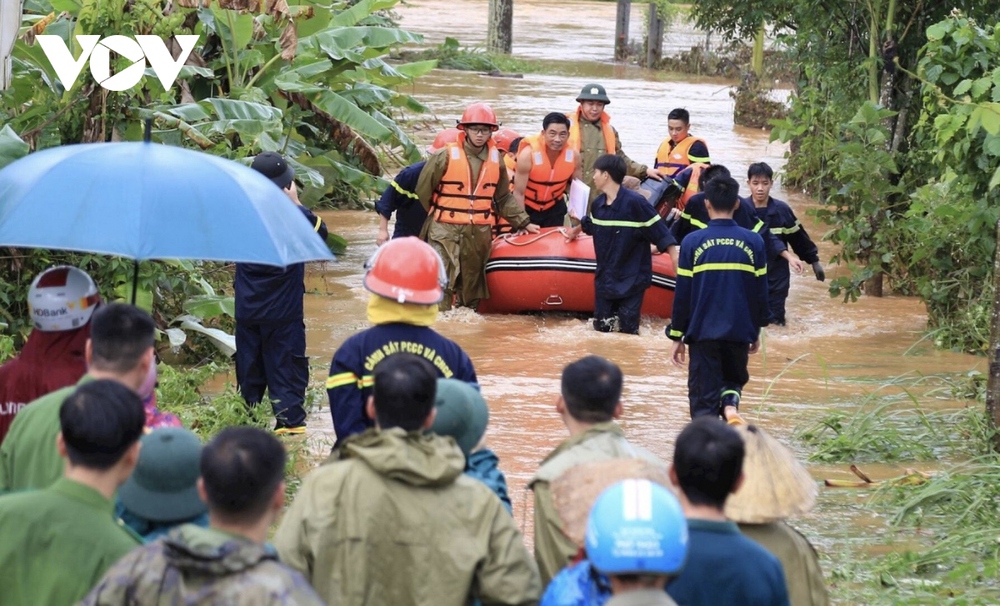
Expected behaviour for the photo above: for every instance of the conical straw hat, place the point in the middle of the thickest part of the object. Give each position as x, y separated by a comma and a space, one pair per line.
775, 485
576, 490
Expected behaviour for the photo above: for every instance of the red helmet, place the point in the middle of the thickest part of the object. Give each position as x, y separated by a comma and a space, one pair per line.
406, 270
448, 135
504, 138
479, 113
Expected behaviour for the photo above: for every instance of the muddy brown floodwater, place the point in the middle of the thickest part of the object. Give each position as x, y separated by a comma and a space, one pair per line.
829, 355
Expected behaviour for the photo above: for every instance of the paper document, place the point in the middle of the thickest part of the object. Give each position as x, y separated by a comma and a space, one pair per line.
579, 198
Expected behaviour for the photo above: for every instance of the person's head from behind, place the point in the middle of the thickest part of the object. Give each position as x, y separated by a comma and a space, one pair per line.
608, 169
275, 167
636, 535
678, 121
163, 487
722, 195
405, 386
121, 344
711, 172
591, 391
461, 413
708, 462
760, 178
242, 477
100, 425
555, 131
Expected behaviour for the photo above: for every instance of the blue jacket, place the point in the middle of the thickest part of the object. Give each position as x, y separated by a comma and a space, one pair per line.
267, 293
785, 226
725, 567
695, 217
721, 291
577, 585
400, 198
623, 231
350, 381
483, 465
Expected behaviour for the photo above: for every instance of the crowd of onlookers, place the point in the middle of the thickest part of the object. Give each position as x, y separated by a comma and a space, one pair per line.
411, 511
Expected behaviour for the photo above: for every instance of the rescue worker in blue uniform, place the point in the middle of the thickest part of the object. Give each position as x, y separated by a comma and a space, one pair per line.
270, 327
720, 305
400, 196
406, 278
786, 227
623, 225
695, 214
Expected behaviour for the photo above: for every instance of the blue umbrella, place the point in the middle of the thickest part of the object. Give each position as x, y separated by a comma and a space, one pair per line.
150, 201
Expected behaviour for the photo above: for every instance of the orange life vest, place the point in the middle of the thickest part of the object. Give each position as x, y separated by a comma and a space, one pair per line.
676, 159
510, 162
692, 185
547, 182
454, 199
574, 131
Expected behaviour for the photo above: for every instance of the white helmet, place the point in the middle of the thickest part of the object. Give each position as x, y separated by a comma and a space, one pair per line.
62, 298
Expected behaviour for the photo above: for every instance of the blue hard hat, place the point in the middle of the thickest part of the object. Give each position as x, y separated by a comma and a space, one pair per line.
637, 527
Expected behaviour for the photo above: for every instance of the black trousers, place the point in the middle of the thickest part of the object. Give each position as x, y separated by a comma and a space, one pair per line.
714, 369
778, 283
272, 356
620, 313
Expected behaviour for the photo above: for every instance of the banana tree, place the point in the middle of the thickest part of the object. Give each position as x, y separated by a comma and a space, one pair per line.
308, 80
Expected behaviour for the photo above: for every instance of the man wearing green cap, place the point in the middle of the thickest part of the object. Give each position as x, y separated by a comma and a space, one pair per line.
591, 135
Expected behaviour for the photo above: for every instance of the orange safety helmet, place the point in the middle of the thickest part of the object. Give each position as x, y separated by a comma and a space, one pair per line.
443, 138
503, 139
406, 270
479, 113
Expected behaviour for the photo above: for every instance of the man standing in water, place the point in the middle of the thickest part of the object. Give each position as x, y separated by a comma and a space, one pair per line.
463, 187
592, 136
545, 167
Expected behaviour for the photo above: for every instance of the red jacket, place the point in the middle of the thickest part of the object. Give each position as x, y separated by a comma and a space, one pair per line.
49, 361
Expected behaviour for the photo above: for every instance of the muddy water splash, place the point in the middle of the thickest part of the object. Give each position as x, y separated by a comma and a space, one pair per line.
829, 354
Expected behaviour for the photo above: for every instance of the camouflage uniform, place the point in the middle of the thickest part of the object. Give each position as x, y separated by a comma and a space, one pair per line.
193, 565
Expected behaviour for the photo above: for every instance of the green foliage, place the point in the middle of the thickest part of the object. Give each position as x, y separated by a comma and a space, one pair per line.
863, 209
450, 54
310, 81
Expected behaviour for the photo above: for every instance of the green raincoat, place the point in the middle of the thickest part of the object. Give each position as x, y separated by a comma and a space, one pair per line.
194, 565
553, 549
803, 575
56, 543
394, 522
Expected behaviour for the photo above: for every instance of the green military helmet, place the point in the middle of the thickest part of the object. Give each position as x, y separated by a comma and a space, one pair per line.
593, 92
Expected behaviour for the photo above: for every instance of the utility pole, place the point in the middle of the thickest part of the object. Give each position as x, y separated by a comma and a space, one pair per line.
10, 21
621, 29
500, 26
654, 38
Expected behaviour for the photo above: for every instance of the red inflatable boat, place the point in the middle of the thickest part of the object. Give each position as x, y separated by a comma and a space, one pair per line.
544, 272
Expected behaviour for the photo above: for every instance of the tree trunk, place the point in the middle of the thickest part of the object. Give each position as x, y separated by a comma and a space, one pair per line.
621, 29
993, 382
500, 26
654, 39
757, 60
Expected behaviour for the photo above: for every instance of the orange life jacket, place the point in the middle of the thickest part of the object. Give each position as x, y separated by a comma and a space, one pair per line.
574, 131
454, 199
692, 185
677, 159
547, 182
